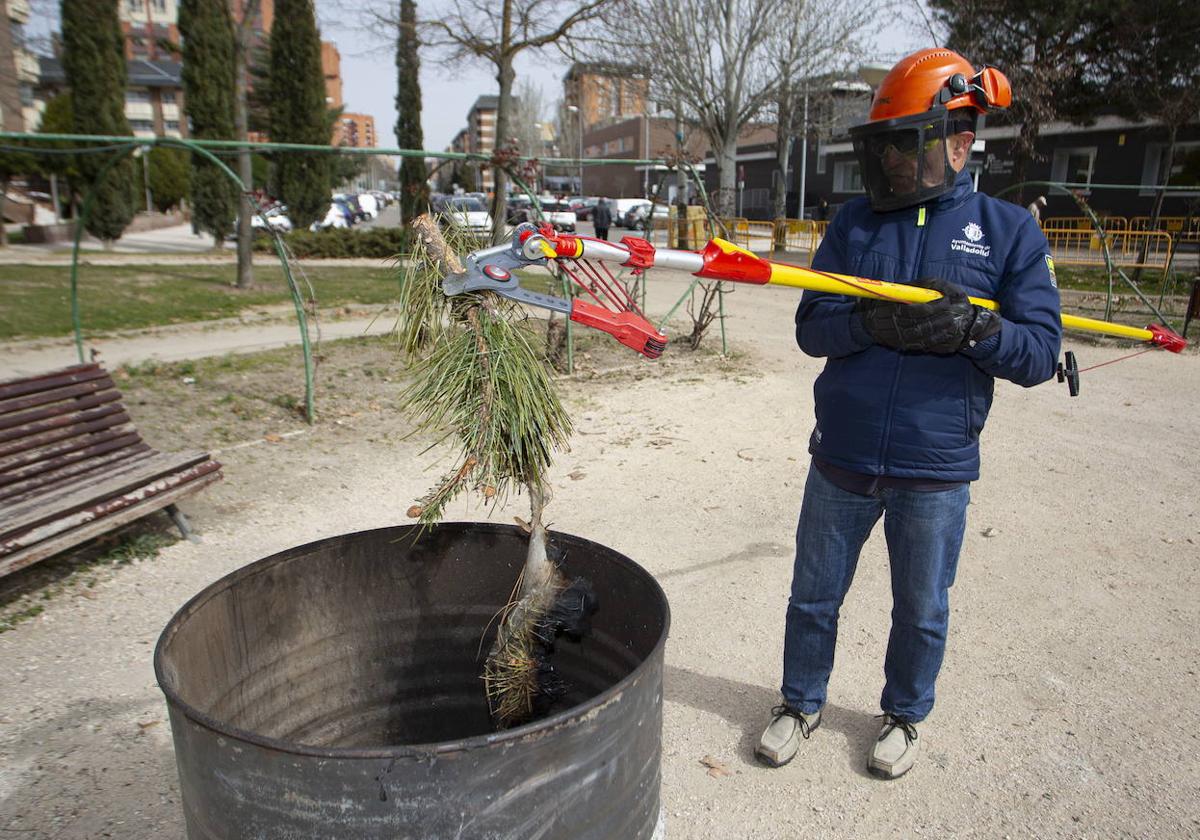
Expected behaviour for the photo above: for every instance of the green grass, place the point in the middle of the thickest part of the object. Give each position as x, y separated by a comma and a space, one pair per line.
1087, 279
35, 301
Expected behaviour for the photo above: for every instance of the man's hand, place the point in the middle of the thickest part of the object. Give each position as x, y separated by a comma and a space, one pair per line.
945, 325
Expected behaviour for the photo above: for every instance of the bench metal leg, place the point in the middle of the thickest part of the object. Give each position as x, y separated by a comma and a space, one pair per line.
182, 523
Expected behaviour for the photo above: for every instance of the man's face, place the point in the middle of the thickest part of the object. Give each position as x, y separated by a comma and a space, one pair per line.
900, 160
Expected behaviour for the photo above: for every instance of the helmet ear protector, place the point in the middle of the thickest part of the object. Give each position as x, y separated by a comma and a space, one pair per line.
987, 90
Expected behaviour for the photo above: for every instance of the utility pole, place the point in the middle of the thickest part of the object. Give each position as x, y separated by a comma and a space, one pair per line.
803, 151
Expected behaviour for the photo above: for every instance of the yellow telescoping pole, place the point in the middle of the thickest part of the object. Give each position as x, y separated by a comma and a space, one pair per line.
841, 284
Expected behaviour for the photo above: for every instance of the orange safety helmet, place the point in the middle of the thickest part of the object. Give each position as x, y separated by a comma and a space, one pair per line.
938, 77
922, 101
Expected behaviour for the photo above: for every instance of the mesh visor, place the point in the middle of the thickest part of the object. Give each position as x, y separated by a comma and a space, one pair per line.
903, 161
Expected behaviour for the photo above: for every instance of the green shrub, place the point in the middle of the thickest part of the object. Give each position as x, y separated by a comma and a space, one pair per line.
334, 243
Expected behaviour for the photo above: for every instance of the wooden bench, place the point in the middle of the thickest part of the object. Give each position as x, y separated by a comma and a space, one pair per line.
73, 467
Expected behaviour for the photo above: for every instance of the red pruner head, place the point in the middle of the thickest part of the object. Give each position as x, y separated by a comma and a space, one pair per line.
629, 328
1167, 338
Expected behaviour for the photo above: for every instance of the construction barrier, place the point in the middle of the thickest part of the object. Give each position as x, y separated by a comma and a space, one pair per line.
1109, 223
1184, 228
1127, 249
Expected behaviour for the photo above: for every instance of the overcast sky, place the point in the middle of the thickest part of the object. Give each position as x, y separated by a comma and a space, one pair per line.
369, 70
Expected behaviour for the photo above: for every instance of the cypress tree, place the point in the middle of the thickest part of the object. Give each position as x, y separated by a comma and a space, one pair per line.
298, 114
414, 186
94, 63
208, 89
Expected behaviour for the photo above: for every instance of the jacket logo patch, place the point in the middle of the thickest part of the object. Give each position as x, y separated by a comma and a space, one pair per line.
972, 244
1050, 265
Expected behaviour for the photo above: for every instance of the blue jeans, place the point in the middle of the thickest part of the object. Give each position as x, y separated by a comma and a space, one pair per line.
924, 533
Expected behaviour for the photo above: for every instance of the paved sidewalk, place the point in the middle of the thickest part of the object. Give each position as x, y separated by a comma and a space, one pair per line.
190, 341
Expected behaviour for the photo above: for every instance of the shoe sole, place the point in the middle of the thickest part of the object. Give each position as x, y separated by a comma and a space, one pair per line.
770, 762
885, 775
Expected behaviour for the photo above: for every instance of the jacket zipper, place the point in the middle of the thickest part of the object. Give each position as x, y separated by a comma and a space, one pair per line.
922, 225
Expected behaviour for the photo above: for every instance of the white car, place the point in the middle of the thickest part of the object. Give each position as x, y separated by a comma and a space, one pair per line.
369, 204
276, 217
335, 217
466, 213
560, 215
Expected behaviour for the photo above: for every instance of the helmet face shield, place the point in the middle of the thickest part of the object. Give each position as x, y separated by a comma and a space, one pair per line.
904, 161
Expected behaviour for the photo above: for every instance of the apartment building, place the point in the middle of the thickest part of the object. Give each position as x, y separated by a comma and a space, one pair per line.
153, 94
18, 69
357, 130
481, 137
331, 66
605, 93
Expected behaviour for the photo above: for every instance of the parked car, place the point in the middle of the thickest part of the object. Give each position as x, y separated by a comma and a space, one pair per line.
620, 208
276, 217
583, 207
518, 210
335, 217
635, 217
467, 213
559, 214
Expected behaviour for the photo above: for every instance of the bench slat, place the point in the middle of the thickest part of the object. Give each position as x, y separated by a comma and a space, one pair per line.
48, 381
81, 509
67, 392
50, 432
52, 546
10, 424
60, 419
123, 478
26, 461
43, 482
130, 442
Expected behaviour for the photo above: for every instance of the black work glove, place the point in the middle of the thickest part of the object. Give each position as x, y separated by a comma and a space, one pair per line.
945, 325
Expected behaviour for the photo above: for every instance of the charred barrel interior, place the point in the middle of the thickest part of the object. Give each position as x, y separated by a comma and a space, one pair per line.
334, 690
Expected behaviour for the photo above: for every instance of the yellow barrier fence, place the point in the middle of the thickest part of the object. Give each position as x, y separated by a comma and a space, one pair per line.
760, 236
1186, 228
1128, 249
1110, 223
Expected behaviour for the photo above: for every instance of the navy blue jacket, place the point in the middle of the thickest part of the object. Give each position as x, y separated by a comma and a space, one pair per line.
919, 415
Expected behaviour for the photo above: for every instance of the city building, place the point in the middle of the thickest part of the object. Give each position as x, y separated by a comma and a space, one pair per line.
149, 26
605, 93
18, 69
153, 94
331, 66
481, 138
638, 138
357, 130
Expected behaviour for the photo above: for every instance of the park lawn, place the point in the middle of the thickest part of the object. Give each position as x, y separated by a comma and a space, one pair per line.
35, 301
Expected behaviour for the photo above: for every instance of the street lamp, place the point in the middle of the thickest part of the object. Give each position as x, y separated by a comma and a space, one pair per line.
574, 109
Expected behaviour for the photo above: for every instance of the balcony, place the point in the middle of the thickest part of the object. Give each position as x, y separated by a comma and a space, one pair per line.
170, 111
27, 67
139, 111
19, 10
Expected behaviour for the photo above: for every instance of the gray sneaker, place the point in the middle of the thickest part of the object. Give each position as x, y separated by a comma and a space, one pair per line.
895, 750
781, 740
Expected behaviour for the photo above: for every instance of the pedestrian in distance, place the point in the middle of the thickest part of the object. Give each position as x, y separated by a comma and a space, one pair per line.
906, 389
1035, 208
602, 219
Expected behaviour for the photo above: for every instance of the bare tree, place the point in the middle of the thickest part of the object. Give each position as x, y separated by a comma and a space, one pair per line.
817, 40
529, 119
496, 32
244, 32
713, 58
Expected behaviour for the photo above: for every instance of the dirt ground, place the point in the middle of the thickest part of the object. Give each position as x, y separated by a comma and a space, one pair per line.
1066, 707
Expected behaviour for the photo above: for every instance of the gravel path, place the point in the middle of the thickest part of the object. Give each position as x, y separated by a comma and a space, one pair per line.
1066, 705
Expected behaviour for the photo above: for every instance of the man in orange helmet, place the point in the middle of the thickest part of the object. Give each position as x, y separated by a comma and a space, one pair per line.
906, 389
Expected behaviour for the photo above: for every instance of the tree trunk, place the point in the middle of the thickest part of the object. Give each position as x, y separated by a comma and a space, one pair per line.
727, 194
783, 154
245, 233
505, 76
3, 201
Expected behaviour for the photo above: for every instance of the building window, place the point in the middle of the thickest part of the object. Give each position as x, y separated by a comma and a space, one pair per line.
141, 125
25, 90
18, 35
134, 97
168, 97
821, 158
1183, 168
171, 125
1074, 166
846, 177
